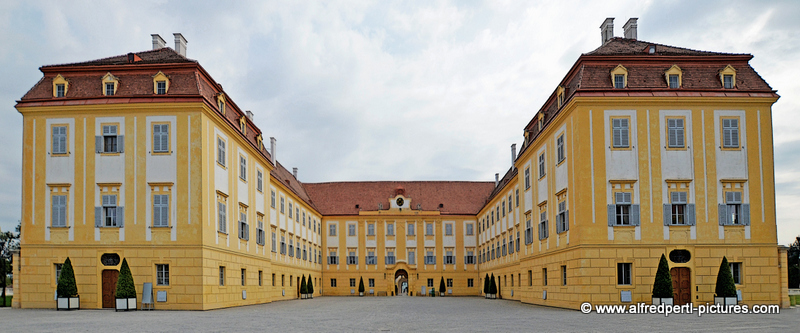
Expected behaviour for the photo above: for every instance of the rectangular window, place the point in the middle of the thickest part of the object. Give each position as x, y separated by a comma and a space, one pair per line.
449, 258
560, 148
516, 195
390, 229
161, 87
109, 210
624, 274
541, 165
430, 259
282, 205
503, 207
291, 246
449, 283
736, 271
544, 231
297, 214
260, 181
371, 258
351, 229
110, 139
331, 230
470, 283
372, 283
352, 259
221, 275
371, 229
730, 133
260, 280
530, 278
160, 138
242, 168
469, 259
429, 229
623, 208
430, 283
619, 129
283, 244
528, 231
563, 275
527, 178
244, 228
678, 209
60, 90
333, 283
222, 208
390, 258
272, 199
58, 268
470, 228
273, 279
283, 280
675, 129
160, 210
673, 81
544, 276
162, 275
412, 257
733, 202
448, 229
59, 140
274, 242
562, 222
59, 216
619, 81
727, 81
221, 151
290, 211
352, 282
244, 276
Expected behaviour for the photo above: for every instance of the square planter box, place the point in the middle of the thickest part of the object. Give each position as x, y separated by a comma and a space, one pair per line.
726, 300
125, 304
68, 303
659, 301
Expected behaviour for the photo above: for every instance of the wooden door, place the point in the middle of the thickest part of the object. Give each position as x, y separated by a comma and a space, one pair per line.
109, 287
681, 285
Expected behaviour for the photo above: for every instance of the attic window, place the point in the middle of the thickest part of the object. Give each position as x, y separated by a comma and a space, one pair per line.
160, 84
260, 141
60, 86
357, 206
674, 77
243, 125
560, 96
109, 84
652, 49
728, 77
221, 103
619, 77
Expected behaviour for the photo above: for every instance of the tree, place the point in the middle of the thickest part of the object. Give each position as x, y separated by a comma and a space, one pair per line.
794, 264
125, 285
441, 285
310, 285
8, 243
492, 286
486, 284
662, 287
303, 287
66, 281
725, 285
361, 285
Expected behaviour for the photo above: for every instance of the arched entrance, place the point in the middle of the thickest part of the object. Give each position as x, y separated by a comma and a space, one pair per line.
401, 282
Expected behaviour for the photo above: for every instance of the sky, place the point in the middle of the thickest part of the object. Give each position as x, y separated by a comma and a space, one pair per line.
400, 90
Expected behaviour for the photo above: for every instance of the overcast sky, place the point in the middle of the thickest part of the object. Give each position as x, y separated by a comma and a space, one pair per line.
407, 90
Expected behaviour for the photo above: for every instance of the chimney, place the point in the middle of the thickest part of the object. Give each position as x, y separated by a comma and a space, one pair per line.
513, 154
272, 147
249, 115
607, 30
496, 179
630, 28
180, 44
158, 42
294, 172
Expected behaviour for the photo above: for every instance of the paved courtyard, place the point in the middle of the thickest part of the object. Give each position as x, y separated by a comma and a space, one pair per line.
382, 314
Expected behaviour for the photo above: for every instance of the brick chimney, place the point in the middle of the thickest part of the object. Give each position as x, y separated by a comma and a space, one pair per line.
607, 30
630, 28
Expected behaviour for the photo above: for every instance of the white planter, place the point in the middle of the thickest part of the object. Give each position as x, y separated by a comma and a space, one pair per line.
726, 300
125, 304
659, 301
361, 293
68, 303
441, 294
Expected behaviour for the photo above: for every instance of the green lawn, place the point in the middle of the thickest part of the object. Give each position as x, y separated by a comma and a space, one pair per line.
6, 302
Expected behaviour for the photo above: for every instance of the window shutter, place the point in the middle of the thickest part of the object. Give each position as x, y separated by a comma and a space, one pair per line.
558, 224
566, 220
54, 211
744, 215
120, 143
98, 144
690, 215
98, 217
635, 215
165, 211
667, 214
723, 214
121, 217
611, 214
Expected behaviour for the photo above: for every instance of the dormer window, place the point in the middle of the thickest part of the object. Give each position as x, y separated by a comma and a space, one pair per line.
60, 86
221, 103
674, 76
619, 77
160, 84
260, 141
110, 84
560, 96
243, 125
728, 77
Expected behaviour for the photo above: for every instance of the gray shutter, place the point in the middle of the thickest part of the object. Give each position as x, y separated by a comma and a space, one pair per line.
120, 143
558, 224
690, 215
121, 217
98, 217
611, 212
723, 214
98, 144
635, 215
667, 214
566, 220
744, 215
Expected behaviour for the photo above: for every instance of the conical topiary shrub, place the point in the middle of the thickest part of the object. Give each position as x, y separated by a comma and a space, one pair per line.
125, 285
441, 286
310, 287
662, 287
493, 287
725, 285
66, 282
486, 285
361, 286
303, 288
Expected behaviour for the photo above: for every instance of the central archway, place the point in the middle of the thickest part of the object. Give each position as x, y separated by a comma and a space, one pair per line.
401, 282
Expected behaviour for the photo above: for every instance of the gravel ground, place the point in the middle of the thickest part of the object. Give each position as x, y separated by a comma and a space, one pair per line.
384, 314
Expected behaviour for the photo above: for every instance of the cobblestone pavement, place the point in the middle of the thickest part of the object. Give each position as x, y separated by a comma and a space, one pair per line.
383, 314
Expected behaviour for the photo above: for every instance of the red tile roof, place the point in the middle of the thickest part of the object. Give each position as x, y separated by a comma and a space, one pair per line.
625, 46
164, 55
456, 198
286, 178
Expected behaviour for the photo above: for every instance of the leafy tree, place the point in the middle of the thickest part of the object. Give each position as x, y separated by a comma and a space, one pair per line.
441, 285
662, 287
794, 264
125, 285
361, 285
493, 286
303, 287
66, 281
310, 285
8, 243
725, 285
486, 284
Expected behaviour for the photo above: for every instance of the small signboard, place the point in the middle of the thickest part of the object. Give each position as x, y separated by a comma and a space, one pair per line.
625, 296
161, 296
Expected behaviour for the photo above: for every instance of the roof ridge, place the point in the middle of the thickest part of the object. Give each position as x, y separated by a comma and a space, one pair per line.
643, 44
111, 60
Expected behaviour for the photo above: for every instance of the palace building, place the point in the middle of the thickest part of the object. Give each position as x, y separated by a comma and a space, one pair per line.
641, 150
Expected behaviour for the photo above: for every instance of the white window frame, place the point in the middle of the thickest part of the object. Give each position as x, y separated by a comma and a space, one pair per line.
624, 274
560, 148
620, 128
59, 140
221, 152
242, 168
162, 274
58, 218
675, 133
730, 132
110, 139
161, 210
109, 210
160, 138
